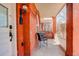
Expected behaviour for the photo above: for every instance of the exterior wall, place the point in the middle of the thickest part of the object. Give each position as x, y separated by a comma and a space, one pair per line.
27, 30
69, 30
76, 29
34, 26
72, 29
32, 32
20, 48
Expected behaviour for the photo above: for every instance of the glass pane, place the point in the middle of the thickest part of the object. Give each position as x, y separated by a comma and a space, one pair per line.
3, 16
61, 27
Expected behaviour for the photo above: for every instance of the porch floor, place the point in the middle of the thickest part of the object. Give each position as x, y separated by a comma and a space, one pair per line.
51, 50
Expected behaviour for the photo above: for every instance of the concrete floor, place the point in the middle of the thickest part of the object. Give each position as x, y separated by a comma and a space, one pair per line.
51, 50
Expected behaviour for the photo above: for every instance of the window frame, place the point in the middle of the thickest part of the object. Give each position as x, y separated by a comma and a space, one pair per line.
6, 17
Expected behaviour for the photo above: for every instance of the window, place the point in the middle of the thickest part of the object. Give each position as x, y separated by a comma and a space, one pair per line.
48, 25
3, 16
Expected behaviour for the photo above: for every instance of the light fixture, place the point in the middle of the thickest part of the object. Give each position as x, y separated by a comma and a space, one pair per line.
47, 18
24, 8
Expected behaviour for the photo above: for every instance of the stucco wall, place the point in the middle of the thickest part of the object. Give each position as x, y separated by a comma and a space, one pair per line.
33, 30
76, 29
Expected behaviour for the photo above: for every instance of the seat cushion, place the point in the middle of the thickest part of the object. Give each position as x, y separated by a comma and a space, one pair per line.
49, 35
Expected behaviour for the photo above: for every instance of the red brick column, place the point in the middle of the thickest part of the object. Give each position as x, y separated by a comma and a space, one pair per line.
69, 30
54, 24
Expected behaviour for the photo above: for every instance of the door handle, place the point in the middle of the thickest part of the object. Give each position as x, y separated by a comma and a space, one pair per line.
10, 33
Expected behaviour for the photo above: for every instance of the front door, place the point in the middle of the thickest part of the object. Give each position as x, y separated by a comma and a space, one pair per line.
6, 33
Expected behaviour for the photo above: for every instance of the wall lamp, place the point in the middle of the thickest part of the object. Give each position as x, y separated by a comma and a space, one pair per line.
24, 8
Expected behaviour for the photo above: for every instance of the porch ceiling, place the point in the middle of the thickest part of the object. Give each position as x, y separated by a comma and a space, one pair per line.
49, 9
